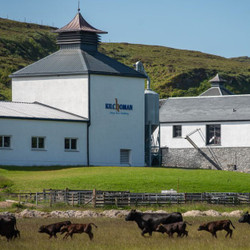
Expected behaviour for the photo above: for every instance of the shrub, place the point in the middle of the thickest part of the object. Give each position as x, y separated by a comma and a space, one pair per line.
5, 183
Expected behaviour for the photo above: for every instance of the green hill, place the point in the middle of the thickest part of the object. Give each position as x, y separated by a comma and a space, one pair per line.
173, 72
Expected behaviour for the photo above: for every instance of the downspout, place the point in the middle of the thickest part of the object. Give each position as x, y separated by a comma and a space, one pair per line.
89, 122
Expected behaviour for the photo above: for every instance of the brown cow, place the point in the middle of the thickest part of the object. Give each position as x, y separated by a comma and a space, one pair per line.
215, 226
170, 229
78, 228
53, 229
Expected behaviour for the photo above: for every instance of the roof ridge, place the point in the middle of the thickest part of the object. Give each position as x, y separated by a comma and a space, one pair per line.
197, 97
17, 102
61, 110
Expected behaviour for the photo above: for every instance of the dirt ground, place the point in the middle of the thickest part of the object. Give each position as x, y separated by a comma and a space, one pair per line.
4, 204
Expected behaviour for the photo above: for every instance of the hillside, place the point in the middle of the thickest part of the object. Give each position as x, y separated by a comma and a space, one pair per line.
20, 45
173, 72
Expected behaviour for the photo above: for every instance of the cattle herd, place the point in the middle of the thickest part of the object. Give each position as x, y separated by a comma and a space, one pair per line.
168, 223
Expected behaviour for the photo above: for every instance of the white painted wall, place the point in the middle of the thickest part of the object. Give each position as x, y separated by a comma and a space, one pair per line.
233, 134
111, 131
69, 93
21, 132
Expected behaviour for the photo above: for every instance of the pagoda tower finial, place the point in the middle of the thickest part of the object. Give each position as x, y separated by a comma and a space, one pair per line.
78, 6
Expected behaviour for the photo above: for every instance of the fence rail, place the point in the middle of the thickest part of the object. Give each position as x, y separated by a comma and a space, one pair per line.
97, 198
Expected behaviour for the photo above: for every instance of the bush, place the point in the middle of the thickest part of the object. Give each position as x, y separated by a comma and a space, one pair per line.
5, 183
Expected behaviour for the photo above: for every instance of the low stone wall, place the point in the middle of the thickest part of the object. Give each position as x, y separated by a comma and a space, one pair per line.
112, 213
230, 158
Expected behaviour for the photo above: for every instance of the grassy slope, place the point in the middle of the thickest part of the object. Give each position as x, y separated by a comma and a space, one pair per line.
173, 72
125, 178
20, 45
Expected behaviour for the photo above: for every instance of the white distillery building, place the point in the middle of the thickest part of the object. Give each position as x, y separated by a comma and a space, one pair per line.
208, 131
74, 107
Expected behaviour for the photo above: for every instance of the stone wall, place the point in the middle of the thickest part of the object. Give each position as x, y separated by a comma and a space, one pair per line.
229, 158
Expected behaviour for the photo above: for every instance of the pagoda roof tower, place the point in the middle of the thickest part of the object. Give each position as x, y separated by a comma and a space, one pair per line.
78, 55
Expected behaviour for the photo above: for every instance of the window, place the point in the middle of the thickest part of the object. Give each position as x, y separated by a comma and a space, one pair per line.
177, 131
125, 156
4, 141
213, 134
37, 142
70, 144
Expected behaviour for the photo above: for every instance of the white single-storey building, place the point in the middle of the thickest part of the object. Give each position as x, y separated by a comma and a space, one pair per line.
208, 131
74, 107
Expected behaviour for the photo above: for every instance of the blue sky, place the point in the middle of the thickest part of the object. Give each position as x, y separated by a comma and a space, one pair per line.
219, 27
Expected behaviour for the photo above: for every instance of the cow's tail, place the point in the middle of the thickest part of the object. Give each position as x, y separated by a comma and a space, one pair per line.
14, 220
231, 224
93, 224
188, 223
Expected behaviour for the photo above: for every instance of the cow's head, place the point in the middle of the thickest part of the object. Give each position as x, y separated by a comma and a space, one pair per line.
160, 228
245, 218
42, 229
202, 227
131, 216
64, 229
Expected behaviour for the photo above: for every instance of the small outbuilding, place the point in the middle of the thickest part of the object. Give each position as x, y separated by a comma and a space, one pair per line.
208, 131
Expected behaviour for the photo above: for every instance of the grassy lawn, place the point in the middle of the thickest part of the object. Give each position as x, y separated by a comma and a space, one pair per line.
134, 179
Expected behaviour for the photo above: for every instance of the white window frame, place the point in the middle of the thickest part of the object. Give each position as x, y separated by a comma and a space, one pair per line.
70, 144
37, 143
175, 130
215, 140
3, 139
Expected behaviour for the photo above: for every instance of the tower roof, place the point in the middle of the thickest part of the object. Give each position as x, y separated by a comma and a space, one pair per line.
76, 62
78, 23
217, 79
217, 88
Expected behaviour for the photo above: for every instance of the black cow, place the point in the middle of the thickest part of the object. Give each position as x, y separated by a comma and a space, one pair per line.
148, 222
177, 227
245, 218
8, 227
53, 229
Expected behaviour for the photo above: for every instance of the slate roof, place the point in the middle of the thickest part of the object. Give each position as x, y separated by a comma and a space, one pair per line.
74, 62
217, 91
206, 109
35, 110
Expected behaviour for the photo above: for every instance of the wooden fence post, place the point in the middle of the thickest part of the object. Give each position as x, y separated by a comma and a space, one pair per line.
36, 200
50, 202
44, 195
94, 198
66, 196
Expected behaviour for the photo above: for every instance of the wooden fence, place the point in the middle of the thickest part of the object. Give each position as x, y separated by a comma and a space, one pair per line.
97, 198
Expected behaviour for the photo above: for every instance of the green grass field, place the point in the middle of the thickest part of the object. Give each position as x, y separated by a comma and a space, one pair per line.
120, 234
133, 179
